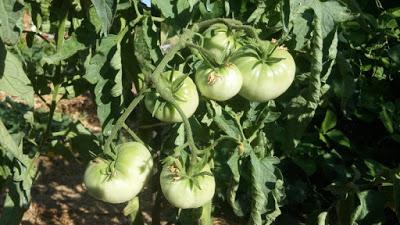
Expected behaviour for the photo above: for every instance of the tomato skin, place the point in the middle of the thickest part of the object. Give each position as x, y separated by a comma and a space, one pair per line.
219, 84
218, 40
186, 97
264, 81
182, 194
132, 167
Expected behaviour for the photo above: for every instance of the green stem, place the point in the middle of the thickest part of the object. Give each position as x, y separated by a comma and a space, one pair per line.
151, 126
237, 121
207, 23
121, 121
231, 23
219, 140
157, 19
156, 78
205, 218
189, 133
207, 55
249, 29
135, 6
166, 93
51, 114
132, 133
61, 26
60, 42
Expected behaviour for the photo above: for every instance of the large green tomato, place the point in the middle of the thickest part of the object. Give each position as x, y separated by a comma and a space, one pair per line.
120, 180
182, 193
218, 40
185, 95
220, 83
263, 80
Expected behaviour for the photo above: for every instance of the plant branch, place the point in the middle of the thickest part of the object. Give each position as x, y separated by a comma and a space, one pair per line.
132, 133
121, 121
60, 42
189, 133
166, 93
207, 55
249, 29
135, 6
219, 140
207, 23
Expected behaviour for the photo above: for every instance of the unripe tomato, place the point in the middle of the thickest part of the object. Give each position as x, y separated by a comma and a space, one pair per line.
120, 180
182, 192
218, 40
185, 95
220, 83
263, 80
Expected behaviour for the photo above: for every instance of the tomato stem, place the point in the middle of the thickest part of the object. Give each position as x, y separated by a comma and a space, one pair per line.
189, 133
132, 133
166, 93
121, 121
60, 43
207, 55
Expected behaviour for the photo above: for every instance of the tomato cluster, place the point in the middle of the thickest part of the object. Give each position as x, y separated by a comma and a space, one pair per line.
249, 71
252, 73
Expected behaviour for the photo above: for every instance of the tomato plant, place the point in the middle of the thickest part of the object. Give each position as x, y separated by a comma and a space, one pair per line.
265, 79
317, 123
119, 180
221, 83
184, 92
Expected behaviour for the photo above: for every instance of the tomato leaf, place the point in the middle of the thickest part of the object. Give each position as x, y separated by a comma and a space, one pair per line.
265, 198
223, 119
233, 164
105, 10
301, 108
396, 191
70, 47
329, 121
13, 79
338, 137
10, 12
132, 208
8, 144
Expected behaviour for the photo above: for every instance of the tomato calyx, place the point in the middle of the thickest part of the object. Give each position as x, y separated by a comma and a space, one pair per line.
179, 174
263, 52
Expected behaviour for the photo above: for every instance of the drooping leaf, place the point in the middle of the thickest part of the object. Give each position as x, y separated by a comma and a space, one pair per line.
13, 79
7, 143
10, 12
115, 63
233, 164
301, 109
105, 10
347, 209
396, 192
70, 47
329, 121
166, 7
132, 209
99, 71
100, 58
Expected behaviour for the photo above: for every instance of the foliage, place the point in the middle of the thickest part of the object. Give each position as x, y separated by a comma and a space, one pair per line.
324, 152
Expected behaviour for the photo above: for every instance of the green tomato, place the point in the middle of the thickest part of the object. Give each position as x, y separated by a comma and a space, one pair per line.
218, 40
219, 84
263, 81
185, 95
183, 192
120, 180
